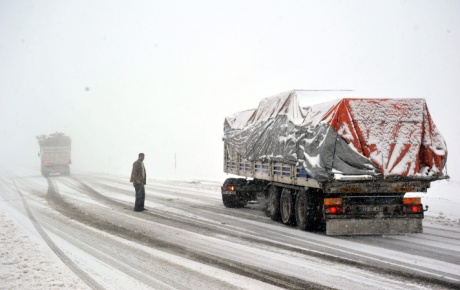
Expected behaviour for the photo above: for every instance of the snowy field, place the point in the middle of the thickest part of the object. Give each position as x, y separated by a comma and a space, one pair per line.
443, 199
26, 260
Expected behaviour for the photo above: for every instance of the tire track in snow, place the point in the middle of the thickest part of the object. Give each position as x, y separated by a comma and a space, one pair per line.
91, 220
392, 270
357, 259
67, 261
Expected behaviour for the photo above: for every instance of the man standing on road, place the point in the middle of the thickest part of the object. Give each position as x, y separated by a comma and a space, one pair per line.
139, 178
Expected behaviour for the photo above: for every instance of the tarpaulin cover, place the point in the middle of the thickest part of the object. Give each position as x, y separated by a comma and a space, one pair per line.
348, 136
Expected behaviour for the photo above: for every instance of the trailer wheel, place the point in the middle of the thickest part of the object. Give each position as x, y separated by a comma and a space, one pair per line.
287, 207
303, 211
274, 203
45, 173
66, 171
307, 212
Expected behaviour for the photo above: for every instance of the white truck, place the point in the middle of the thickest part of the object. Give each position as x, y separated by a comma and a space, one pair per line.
342, 166
55, 153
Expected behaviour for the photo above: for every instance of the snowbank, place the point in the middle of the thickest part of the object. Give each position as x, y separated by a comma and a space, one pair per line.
27, 262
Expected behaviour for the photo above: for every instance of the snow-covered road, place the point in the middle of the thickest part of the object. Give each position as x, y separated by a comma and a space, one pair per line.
80, 232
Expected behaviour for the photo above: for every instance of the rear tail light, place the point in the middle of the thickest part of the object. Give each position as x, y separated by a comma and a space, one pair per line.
333, 205
334, 209
228, 188
413, 205
413, 208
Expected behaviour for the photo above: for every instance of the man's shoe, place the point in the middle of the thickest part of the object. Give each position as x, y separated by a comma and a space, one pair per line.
138, 209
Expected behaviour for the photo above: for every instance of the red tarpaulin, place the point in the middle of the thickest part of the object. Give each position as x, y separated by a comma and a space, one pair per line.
398, 135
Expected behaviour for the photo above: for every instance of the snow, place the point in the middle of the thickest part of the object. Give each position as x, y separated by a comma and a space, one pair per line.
443, 199
291, 103
27, 262
315, 114
403, 122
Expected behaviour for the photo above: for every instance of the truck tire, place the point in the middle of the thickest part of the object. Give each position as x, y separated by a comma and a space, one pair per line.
66, 172
287, 210
307, 213
274, 194
302, 216
45, 173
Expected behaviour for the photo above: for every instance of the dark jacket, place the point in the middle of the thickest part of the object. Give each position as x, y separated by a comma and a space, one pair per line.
138, 173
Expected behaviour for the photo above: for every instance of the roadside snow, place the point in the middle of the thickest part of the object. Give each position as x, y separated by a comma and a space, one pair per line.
27, 262
443, 199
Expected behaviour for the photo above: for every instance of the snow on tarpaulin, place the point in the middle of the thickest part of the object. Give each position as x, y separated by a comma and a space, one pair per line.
348, 136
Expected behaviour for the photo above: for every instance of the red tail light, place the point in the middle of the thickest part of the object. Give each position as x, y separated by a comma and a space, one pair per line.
413, 205
334, 210
333, 205
416, 208
227, 188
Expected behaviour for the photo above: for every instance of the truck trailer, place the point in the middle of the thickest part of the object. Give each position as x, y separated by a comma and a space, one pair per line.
54, 154
343, 167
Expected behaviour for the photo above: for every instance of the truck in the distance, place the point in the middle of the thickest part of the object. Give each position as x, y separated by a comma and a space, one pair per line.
54, 153
344, 166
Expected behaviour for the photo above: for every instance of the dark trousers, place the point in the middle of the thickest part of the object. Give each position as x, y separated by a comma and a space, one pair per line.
140, 196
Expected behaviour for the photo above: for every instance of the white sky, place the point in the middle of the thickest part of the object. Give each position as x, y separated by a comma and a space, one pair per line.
123, 77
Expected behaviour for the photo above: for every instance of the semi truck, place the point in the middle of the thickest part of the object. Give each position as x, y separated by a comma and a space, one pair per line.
352, 166
54, 154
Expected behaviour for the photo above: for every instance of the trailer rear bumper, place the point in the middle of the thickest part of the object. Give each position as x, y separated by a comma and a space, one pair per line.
337, 227
47, 169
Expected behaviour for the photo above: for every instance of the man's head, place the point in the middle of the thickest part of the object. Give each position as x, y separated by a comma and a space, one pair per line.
141, 156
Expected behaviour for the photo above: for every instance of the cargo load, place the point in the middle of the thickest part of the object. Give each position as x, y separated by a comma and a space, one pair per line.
351, 146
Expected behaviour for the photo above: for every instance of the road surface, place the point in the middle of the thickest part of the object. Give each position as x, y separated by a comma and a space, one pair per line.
187, 239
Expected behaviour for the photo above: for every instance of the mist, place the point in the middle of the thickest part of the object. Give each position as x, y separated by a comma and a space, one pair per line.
159, 77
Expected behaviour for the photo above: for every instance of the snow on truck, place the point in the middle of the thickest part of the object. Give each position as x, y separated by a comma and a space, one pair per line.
342, 166
54, 153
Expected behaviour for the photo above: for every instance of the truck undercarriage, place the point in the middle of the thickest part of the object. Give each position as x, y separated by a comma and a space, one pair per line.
313, 210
